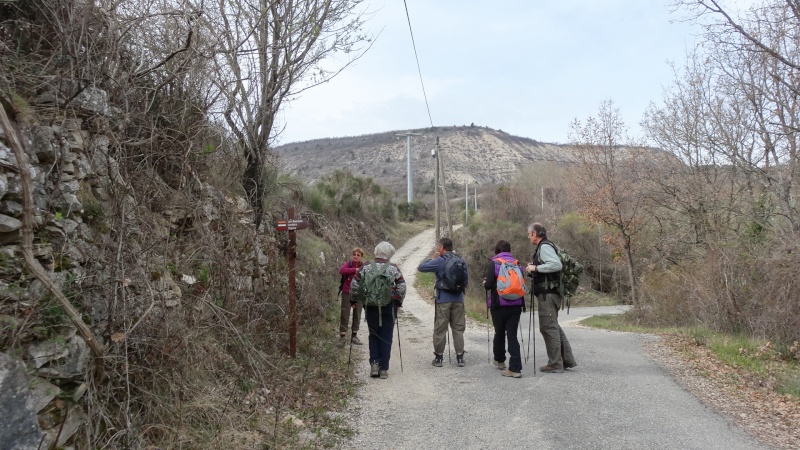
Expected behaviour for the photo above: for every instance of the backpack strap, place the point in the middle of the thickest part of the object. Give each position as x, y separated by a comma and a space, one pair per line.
550, 276
503, 261
344, 277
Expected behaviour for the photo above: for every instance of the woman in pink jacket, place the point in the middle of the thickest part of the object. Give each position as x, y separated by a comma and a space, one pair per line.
348, 271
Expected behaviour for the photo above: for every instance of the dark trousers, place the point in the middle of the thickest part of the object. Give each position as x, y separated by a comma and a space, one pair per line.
506, 321
344, 316
380, 336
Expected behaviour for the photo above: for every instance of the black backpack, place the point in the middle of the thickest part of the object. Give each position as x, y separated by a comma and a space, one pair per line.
455, 275
344, 278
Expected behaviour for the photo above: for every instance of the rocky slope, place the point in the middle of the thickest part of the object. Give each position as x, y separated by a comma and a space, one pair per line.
469, 153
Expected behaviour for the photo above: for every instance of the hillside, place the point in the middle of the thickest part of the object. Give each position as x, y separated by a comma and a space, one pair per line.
469, 153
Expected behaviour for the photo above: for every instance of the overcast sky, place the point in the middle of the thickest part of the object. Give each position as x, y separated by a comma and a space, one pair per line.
526, 67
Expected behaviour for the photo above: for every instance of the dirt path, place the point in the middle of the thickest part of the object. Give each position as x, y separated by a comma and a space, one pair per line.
617, 397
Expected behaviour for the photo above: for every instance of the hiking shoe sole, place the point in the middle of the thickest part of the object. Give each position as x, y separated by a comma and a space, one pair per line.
508, 373
384, 374
550, 369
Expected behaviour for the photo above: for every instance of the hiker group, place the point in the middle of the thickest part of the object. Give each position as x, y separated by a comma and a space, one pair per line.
379, 288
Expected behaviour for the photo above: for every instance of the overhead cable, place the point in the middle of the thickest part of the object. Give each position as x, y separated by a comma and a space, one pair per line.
408, 17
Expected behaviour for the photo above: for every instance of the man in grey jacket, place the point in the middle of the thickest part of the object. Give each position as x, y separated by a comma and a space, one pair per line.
544, 270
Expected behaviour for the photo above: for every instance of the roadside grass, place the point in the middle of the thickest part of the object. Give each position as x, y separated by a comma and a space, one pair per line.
588, 297
758, 359
424, 285
401, 232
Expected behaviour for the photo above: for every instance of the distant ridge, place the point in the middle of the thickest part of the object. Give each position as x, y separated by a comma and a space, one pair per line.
470, 153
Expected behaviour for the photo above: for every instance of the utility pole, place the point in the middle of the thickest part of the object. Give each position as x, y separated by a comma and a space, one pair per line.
435, 154
444, 196
466, 202
542, 199
409, 176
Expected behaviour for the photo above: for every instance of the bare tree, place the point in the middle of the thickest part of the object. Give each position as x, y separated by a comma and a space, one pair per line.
754, 60
607, 178
697, 191
269, 52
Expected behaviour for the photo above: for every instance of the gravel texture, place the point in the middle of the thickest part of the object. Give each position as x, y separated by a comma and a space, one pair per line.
617, 398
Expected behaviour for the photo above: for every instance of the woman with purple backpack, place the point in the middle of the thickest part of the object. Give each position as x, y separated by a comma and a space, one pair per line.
506, 309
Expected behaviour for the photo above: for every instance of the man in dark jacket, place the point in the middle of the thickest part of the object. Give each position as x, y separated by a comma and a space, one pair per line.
505, 314
544, 271
449, 305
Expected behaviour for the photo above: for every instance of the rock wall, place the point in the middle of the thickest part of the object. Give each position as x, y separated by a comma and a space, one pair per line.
76, 180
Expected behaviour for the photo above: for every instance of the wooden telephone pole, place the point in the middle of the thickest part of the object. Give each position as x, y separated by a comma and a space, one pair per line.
440, 190
436, 187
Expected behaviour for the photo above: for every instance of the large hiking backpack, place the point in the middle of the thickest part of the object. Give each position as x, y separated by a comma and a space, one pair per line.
376, 288
571, 271
567, 280
455, 275
510, 281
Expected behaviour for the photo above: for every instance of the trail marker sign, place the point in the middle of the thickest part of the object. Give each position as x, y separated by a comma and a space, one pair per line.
292, 225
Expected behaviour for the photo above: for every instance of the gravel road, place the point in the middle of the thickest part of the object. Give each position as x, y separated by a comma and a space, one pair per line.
617, 397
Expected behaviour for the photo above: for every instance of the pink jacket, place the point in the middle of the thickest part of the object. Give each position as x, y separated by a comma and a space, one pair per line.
350, 269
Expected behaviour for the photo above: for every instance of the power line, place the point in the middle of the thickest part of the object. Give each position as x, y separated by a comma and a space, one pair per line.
408, 17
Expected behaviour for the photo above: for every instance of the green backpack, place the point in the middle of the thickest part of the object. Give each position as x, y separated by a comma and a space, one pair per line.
376, 288
568, 278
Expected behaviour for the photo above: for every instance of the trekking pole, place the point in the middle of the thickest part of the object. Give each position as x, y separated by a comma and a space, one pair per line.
533, 339
530, 325
521, 337
399, 348
448, 344
350, 355
487, 333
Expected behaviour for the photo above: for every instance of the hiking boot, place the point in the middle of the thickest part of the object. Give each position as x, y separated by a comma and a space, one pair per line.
354, 340
437, 361
460, 360
374, 370
551, 369
499, 364
570, 366
508, 373
384, 374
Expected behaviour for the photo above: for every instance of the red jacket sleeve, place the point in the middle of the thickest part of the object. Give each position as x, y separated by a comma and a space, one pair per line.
347, 270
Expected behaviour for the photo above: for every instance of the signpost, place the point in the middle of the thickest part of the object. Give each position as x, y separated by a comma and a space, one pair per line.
292, 225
